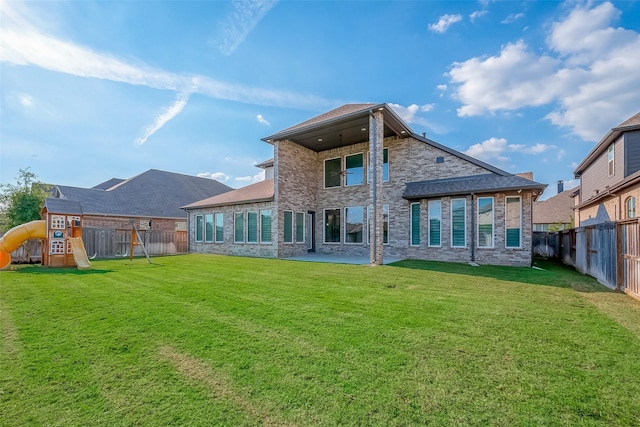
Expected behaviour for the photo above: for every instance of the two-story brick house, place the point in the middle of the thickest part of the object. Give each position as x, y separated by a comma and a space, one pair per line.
357, 181
610, 177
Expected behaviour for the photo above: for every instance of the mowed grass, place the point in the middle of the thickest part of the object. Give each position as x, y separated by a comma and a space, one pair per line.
212, 340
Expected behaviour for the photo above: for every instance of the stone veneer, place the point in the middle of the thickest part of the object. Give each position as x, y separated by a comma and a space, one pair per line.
300, 188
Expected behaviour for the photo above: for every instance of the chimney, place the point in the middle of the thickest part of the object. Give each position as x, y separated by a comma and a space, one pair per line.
560, 186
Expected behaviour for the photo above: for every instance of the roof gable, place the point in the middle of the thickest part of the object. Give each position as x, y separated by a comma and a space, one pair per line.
154, 193
262, 191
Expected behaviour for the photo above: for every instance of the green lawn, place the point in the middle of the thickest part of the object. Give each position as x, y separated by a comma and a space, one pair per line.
210, 340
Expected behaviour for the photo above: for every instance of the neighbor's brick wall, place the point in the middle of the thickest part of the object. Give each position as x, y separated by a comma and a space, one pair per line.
611, 209
158, 224
229, 247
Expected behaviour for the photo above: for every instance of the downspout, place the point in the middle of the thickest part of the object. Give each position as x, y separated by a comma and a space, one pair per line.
473, 227
373, 241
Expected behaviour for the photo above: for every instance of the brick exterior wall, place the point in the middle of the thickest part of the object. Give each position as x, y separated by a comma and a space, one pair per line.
158, 224
229, 246
609, 209
300, 187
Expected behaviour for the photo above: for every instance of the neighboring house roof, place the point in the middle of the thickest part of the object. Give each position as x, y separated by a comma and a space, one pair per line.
632, 123
154, 193
61, 206
262, 191
484, 183
556, 209
266, 163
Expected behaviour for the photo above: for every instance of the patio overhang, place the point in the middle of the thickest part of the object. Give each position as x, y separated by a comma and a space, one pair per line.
342, 130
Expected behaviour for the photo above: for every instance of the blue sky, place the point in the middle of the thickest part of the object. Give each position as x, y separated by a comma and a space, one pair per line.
92, 90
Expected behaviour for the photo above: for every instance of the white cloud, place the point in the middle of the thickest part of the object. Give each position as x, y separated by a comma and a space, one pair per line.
262, 120
25, 100
23, 44
165, 116
494, 149
477, 14
218, 176
235, 28
410, 114
586, 75
512, 18
444, 23
252, 179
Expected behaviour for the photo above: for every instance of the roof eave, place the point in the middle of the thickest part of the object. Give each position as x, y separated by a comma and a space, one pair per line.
236, 203
480, 191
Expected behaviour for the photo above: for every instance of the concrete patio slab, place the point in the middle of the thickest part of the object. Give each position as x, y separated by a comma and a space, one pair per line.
339, 259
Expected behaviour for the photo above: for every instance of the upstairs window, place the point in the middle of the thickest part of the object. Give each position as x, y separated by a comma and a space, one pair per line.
610, 159
354, 173
332, 172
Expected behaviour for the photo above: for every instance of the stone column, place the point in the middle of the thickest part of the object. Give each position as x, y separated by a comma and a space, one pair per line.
376, 227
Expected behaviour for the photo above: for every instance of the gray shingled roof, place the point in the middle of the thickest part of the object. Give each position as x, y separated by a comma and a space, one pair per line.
61, 206
558, 208
262, 191
154, 193
108, 184
485, 183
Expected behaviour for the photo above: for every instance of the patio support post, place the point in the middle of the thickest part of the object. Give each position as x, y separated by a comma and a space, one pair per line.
376, 137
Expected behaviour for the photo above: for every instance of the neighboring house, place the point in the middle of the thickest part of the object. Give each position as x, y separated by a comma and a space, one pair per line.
610, 177
555, 213
152, 200
357, 181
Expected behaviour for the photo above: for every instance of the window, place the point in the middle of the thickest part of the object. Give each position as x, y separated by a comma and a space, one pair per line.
631, 207
435, 222
458, 222
385, 224
219, 218
332, 169
513, 218
300, 227
208, 228
354, 224
332, 226
56, 247
385, 165
288, 227
57, 222
265, 226
199, 228
610, 159
252, 227
354, 173
238, 227
415, 224
485, 222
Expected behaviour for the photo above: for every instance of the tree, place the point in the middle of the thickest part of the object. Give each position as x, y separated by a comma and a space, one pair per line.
21, 202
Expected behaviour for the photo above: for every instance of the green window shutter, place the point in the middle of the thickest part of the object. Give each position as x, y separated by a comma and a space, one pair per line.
415, 224
219, 227
239, 227
513, 222
265, 226
300, 227
458, 222
252, 227
288, 226
199, 228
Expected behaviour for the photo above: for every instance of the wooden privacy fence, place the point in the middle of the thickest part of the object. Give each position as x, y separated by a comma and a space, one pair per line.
111, 243
610, 252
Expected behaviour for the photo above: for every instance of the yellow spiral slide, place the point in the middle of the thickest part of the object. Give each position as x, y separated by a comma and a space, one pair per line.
13, 238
